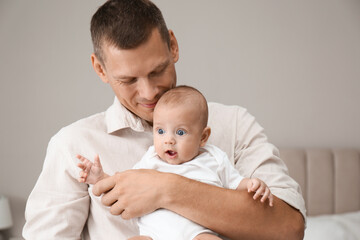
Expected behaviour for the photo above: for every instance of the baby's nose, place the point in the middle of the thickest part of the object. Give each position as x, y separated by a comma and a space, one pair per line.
170, 140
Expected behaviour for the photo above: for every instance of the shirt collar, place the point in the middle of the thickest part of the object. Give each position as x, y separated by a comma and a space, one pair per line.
118, 117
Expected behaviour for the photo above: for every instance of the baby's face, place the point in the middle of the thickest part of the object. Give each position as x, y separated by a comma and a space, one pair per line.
177, 133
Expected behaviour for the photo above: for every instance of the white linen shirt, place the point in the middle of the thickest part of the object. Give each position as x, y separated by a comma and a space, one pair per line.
59, 207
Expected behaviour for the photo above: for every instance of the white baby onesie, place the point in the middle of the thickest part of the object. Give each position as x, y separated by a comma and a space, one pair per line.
212, 166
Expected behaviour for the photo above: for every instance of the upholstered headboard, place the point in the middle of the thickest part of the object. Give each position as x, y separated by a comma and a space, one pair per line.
329, 178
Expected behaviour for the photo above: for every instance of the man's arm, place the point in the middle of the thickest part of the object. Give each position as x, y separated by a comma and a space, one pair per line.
231, 213
58, 205
234, 213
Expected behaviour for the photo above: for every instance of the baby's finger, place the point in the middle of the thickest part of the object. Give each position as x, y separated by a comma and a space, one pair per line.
84, 160
255, 184
81, 158
249, 185
259, 192
82, 166
83, 174
265, 195
97, 160
271, 200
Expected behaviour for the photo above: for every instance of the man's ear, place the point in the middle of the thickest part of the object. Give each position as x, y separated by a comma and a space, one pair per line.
99, 68
205, 136
174, 47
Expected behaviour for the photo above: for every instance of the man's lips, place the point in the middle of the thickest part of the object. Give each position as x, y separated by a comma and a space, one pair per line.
148, 105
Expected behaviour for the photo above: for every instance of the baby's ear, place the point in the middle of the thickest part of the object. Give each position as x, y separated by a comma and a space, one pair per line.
205, 136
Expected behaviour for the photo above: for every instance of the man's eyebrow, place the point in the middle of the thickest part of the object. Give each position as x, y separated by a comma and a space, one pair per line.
161, 65
158, 67
122, 77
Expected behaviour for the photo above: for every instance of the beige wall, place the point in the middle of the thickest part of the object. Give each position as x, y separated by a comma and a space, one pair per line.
294, 64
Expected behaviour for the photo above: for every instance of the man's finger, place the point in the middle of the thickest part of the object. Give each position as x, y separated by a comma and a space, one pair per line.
109, 198
116, 209
104, 186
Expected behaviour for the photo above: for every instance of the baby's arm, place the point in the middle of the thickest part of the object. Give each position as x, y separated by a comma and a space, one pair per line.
257, 186
91, 172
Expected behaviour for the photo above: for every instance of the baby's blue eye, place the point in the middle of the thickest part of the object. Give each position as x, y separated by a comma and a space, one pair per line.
160, 131
180, 132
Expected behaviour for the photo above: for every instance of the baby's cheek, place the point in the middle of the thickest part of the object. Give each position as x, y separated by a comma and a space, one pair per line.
158, 148
190, 151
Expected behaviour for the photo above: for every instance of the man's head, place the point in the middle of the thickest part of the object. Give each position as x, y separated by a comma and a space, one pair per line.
135, 53
180, 124
126, 24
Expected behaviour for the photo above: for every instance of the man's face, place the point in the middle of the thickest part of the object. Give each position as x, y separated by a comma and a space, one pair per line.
141, 75
178, 133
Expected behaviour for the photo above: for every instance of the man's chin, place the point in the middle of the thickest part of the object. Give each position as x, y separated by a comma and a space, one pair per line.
148, 118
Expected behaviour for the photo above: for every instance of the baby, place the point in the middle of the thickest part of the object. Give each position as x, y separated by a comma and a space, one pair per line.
180, 135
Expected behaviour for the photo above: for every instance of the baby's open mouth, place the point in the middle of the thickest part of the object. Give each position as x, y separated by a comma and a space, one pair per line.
171, 153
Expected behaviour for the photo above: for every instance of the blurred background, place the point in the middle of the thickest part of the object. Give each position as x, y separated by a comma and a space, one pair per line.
295, 65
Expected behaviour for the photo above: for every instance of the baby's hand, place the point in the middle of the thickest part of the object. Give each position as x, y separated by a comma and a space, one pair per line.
91, 172
260, 188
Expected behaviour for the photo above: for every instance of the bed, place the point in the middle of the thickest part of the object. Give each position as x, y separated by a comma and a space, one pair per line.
330, 183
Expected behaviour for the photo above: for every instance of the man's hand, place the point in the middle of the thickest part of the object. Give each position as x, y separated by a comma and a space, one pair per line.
133, 193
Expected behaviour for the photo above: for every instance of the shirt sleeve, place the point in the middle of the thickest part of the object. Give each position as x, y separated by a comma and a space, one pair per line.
256, 157
58, 206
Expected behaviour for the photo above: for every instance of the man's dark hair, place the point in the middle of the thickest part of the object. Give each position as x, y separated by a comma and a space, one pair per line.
126, 24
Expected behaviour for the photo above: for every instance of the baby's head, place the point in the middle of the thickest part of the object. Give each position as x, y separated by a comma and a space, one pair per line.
180, 124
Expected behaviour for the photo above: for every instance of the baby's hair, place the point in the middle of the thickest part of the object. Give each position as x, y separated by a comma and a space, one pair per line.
189, 96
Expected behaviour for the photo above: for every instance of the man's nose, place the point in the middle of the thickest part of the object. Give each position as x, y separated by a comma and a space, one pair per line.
147, 89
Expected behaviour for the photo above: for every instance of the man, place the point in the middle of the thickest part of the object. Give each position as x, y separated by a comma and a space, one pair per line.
135, 54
